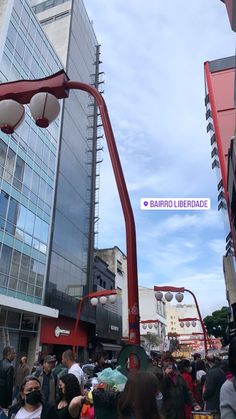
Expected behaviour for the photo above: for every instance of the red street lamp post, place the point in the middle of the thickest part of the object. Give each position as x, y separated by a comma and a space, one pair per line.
58, 85
180, 291
94, 301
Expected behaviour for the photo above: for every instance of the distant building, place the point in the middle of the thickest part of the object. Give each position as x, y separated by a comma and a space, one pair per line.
152, 315
117, 263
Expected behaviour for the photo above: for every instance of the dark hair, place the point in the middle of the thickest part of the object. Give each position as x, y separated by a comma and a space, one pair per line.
139, 396
232, 356
20, 401
7, 350
200, 365
72, 387
196, 356
184, 364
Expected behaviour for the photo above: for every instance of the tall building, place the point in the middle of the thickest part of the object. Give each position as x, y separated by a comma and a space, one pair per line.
48, 180
220, 115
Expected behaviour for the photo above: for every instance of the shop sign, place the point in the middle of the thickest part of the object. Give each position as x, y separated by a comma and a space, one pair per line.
61, 332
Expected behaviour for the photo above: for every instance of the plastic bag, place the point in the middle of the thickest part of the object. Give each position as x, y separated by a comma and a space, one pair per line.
110, 376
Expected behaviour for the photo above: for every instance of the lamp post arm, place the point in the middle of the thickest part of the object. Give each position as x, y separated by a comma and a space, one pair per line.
200, 318
133, 302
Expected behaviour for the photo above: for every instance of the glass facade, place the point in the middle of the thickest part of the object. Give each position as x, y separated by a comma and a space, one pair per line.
70, 239
27, 162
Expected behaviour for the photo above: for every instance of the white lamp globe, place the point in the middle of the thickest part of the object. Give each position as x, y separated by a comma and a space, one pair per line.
94, 301
158, 295
112, 298
179, 297
181, 324
168, 296
149, 325
11, 115
194, 323
144, 326
44, 108
187, 324
103, 299
156, 325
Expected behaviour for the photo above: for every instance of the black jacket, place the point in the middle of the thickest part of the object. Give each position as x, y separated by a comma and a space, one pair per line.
175, 397
214, 380
6, 383
48, 412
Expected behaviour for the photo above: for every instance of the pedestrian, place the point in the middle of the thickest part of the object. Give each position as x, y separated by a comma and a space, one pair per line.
140, 400
185, 370
215, 378
200, 379
68, 360
176, 394
7, 376
196, 357
100, 364
70, 399
31, 404
47, 379
228, 389
21, 372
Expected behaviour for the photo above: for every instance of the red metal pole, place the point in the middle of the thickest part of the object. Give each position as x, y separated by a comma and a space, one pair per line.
132, 271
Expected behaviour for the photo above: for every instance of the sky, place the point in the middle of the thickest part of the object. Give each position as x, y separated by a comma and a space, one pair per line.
153, 54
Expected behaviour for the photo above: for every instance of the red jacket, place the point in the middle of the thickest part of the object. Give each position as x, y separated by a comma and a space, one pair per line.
192, 387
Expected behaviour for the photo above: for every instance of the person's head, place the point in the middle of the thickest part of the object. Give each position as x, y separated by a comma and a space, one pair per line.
9, 353
197, 356
200, 365
139, 396
232, 356
68, 387
23, 360
210, 361
30, 391
100, 359
185, 366
68, 358
48, 363
167, 360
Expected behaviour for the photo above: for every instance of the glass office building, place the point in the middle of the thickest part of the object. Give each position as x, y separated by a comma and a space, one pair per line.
45, 175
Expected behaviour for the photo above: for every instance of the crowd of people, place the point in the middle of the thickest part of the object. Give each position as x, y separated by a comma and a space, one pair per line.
168, 389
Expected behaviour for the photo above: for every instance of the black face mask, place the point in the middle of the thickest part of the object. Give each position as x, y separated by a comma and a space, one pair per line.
34, 397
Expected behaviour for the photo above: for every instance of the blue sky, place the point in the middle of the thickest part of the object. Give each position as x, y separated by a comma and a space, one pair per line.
153, 54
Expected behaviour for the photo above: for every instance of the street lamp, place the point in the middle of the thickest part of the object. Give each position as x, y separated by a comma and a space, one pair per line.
180, 291
186, 321
44, 110
95, 297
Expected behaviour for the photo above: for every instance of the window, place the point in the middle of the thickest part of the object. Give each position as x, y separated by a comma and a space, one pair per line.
19, 172
5, 260
9, 166
3, 208
119, 267
15, 264
24, 267
3, 152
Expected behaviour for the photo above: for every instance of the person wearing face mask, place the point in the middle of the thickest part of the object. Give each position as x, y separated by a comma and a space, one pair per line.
31, 404
186, 370
176, 394
70, 400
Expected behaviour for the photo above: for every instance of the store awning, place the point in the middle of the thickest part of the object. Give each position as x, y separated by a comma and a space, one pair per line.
26, 306
111, 346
